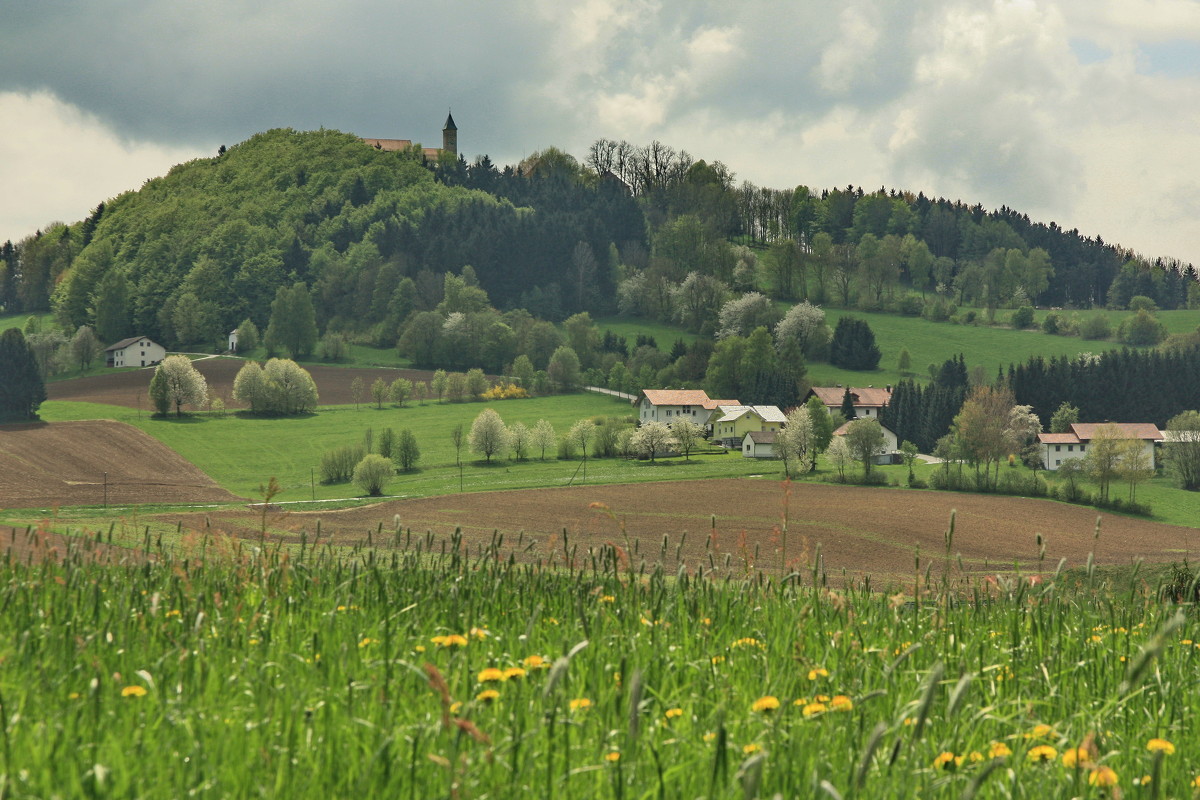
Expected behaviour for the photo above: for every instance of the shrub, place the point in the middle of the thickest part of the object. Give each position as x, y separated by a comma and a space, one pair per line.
406, 453
1095, 327
337, 465
1022, 318
1053, 323
372, 473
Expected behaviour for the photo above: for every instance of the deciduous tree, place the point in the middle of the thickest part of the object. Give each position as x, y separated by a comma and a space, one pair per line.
489, 436
373, 473
653, 438
183, 383
22, 389
1182, 449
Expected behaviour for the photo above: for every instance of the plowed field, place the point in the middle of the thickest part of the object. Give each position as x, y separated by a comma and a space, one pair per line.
64, 464
881, 532
129, 388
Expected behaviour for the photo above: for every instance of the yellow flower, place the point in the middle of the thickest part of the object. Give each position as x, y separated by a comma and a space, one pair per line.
367, 641
514, 672
765, 704
945, 761
819, 672
608, 598
1102, 776
1040, 731
487, 695
822, 698
490, 674
612, 757
841, 703
580, 703
1043, 752
1076, 757
536, 662
1142, 781
133, 691
455, 707
1196, 782
717, 659
73, 696
174, 612
812, 709
480, 633
751, 748
748, 641
453, 640
975, 756
710, 736
672, 713
999, 750
1160, 746
252, 642
420, 648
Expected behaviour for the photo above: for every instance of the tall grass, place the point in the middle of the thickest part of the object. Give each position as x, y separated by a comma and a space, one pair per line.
214, 668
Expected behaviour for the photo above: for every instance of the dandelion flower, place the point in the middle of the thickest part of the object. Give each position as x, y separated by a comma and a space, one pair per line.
366, 642
751, 748
765, 704
1102, 776
612, 757
608, 598
580, 703
490, 674
453, 640
1076, 757
945, 761
673, 713
480, 633
1160, 746
487, 695
819, 672
999, 750
812, 709
710, 737
748, 641
1043, 752
133, 691
536, 662
717, 660
1040, 731
1145, 780
514, 672
841, 702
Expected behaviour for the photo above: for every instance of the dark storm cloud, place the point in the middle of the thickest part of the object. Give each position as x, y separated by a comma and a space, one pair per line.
192, 72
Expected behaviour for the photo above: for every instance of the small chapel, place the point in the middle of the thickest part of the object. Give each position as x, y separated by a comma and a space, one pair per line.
449, 142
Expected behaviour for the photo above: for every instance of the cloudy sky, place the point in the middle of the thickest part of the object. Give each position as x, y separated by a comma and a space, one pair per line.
1084, 112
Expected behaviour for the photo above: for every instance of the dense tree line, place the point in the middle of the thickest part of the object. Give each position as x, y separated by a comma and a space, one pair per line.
1115, 386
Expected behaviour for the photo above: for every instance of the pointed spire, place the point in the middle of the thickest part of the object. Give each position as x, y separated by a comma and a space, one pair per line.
449, 126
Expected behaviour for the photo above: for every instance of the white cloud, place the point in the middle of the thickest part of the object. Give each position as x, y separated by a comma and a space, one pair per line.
57, 163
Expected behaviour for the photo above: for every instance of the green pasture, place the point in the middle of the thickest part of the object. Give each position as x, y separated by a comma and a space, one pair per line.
630, 327
416, 670
242, 452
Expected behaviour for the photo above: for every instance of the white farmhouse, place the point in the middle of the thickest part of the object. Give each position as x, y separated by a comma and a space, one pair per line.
883, 454
136, 351
868, 401
672, 405
1058, 447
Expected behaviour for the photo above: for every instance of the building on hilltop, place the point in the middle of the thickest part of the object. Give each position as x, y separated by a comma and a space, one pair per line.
449, 142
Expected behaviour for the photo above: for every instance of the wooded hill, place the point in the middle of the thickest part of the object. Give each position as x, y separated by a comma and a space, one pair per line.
371, 233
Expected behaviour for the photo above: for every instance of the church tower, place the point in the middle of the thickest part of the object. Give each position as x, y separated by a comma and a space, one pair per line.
450, 136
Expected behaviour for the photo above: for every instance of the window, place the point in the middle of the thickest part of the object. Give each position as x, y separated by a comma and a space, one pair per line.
1058, 448
1070, 448
668, 412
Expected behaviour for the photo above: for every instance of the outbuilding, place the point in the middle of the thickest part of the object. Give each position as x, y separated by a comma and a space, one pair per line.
136, 351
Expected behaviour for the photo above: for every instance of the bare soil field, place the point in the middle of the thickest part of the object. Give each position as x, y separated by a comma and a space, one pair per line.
64, 464
129, 388
886, 533
34, 546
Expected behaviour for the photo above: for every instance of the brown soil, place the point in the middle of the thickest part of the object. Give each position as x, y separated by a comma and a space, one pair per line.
130, 388
863, 531
64, 463
34, 546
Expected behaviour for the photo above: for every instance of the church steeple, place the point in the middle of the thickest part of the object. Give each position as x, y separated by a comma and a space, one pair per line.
450, 135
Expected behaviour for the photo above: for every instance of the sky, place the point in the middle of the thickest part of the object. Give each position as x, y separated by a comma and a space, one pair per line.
1081, 112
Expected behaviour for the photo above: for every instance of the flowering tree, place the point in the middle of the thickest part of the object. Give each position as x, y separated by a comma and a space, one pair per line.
488, 436
653, 438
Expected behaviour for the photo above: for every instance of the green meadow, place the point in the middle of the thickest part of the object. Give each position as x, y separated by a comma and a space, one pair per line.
241, 452
430, 672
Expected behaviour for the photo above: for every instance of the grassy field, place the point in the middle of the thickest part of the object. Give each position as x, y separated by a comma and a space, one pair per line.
241, 453
431, 673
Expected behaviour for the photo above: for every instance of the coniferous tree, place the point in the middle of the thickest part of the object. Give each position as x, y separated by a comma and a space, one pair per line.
21, 387
853, 345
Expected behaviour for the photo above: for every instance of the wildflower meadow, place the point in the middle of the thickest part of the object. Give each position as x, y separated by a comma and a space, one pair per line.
242, 671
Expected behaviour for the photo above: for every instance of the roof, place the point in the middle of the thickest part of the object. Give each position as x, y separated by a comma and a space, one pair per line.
770, 413
1086, 431
389, 145
679, 397
121, 345
711, 404
730, 413
450, 126
762, 437
862, 397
